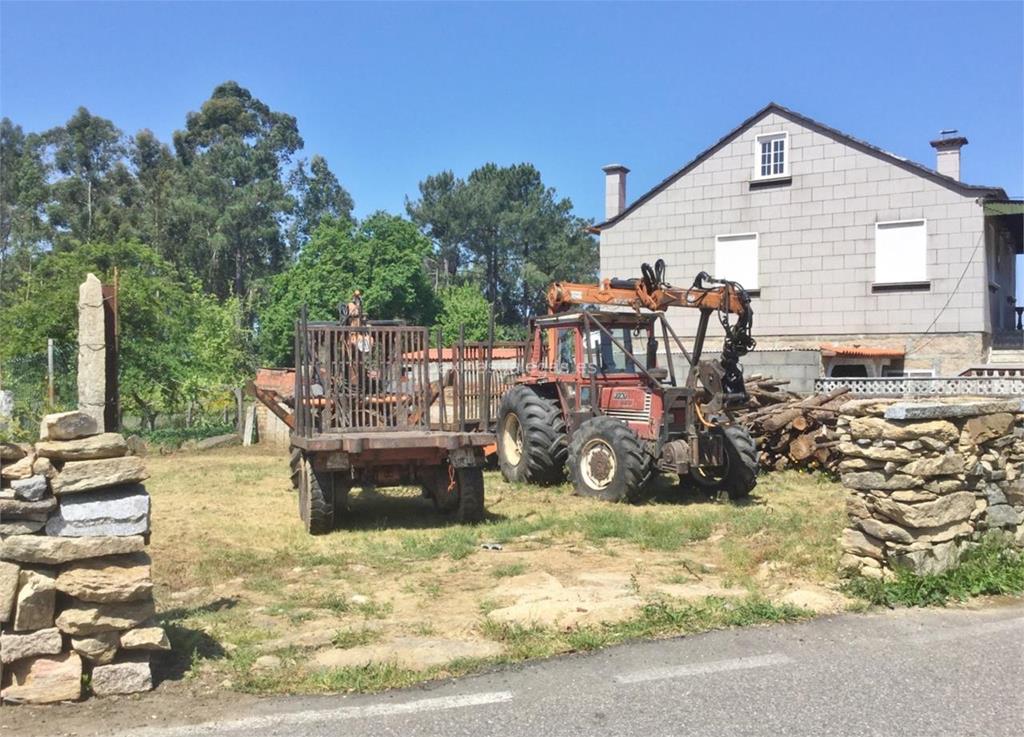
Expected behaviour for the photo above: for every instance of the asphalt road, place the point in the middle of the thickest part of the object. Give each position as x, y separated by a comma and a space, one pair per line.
914, 672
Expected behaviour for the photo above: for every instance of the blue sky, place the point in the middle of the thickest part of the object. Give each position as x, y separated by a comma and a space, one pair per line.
390, 93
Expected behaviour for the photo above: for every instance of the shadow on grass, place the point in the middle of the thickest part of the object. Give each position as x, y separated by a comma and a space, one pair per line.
669, 489
188, 644
393, 509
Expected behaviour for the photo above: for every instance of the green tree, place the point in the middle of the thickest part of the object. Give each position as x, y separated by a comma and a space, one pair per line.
24, 193
234, 152
383, 257
176, 345
505, 231
463, 307
88, 153
318, 195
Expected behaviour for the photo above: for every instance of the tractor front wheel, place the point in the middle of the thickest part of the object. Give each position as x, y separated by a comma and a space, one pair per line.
608, 461
532, 441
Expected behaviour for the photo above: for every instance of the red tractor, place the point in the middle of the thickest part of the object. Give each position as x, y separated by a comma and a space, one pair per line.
594, 399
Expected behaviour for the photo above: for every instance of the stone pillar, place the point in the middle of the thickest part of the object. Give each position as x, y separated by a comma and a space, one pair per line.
92, 350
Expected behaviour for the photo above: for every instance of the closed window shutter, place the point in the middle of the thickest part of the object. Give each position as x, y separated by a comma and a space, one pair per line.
736, 259
901, 252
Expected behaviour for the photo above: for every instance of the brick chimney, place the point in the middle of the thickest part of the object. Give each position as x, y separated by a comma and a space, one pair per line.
614, 190
947, 153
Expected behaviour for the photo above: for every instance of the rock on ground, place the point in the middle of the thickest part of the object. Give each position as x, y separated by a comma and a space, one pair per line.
145, 638
417, 653
99, 648
50, 551
132, 675
37, 598
30, 645
8, 589
95, 447
45, 680
67, 426
123, 510
78, 476
108, 579
82, 618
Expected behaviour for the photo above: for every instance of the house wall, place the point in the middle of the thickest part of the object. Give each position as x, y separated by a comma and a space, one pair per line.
817, 244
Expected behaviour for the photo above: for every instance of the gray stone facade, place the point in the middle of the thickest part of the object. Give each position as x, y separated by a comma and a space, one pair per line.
816, 244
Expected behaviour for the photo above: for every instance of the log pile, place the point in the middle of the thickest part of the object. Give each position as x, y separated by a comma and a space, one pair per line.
791, 430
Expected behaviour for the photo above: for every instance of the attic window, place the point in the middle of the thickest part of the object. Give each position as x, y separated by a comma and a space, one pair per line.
772, 152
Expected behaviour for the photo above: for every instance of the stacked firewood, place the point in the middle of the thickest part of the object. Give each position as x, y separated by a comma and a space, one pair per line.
792, 430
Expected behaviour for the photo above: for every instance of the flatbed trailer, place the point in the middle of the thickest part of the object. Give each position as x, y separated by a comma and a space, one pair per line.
378, 406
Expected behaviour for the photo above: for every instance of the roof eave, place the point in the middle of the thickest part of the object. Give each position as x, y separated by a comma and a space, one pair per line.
967, 190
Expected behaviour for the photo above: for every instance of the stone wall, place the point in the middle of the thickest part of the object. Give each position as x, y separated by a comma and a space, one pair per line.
926, 480
75, 586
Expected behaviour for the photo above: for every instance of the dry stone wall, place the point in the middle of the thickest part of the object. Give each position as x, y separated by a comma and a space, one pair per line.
76, 593
926, 480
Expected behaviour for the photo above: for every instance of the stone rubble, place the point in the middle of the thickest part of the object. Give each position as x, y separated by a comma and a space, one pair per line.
926, 480
76, 588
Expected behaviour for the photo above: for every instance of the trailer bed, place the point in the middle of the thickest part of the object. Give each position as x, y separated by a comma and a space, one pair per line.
360, 442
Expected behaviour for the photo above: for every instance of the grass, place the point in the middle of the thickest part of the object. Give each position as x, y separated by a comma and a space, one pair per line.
656, 618
354, 637
509, 570
991, 568
269, 580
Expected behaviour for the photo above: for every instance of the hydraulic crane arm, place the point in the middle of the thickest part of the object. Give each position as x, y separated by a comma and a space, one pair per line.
710, 296
652, 293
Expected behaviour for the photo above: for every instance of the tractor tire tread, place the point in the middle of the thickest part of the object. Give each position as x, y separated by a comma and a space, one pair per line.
545, 442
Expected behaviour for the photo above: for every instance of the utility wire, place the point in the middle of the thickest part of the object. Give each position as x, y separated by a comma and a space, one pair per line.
967, 266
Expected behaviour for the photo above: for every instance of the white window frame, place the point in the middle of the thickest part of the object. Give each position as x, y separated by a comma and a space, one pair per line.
720, 273
758, 141
921, 278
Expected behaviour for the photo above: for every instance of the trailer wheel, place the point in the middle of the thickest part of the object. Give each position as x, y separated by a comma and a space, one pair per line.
459, 490
532, 442
608, 461
738, 476
470, 483
316, 499
295, 464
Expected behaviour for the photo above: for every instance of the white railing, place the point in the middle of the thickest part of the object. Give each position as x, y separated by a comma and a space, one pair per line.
997, 386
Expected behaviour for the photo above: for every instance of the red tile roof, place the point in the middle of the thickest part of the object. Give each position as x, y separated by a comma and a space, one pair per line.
861, 351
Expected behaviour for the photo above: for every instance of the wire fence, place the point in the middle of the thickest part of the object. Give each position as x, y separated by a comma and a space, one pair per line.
30, 387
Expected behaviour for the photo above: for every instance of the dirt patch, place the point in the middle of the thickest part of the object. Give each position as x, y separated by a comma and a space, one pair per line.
252, 603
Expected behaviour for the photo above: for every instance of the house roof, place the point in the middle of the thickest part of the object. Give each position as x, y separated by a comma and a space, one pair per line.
968, 190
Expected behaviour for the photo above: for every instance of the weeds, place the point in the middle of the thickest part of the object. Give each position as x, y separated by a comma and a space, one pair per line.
508, 570
354, 638
990, 568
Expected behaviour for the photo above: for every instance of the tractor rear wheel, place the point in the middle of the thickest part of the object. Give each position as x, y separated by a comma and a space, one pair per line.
608, 461
459, 490
532, 442
295, 463
316, 498
738, 475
